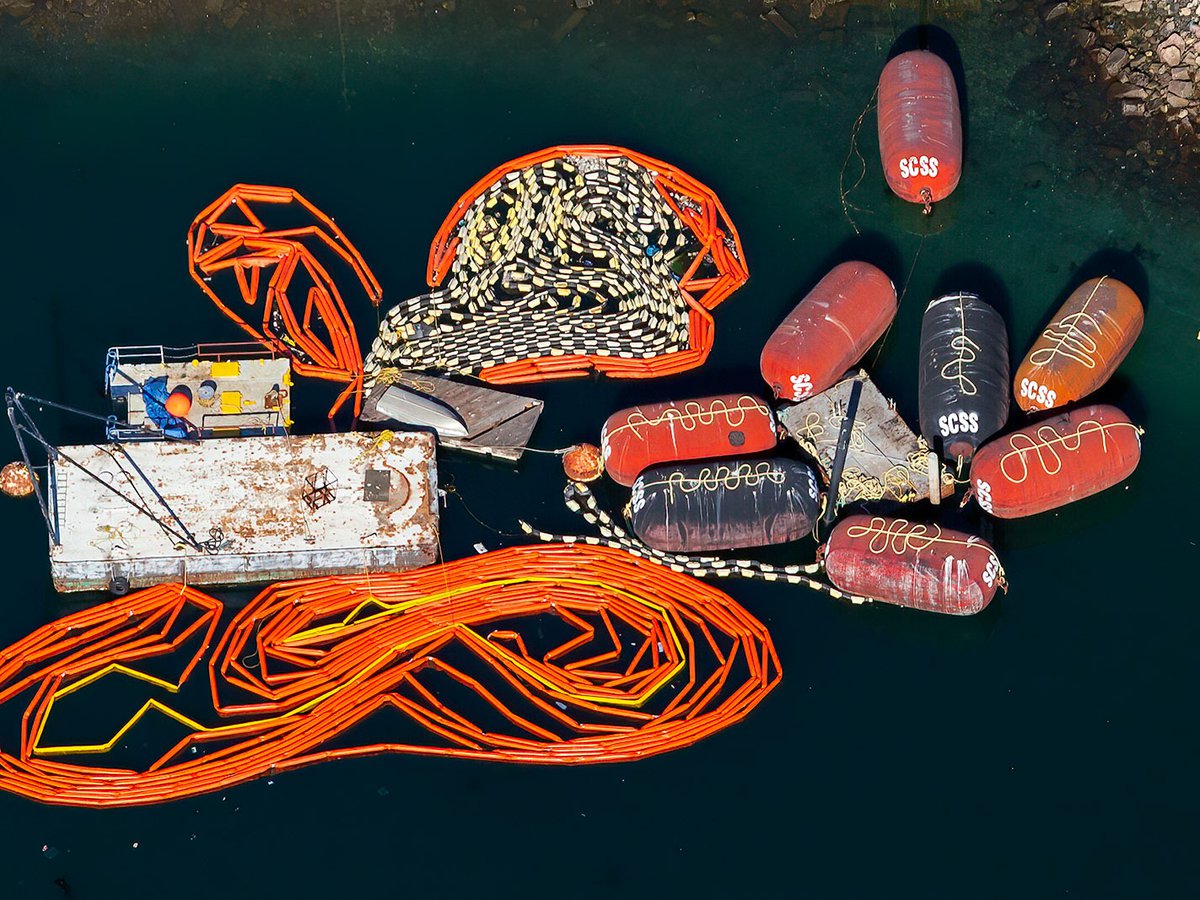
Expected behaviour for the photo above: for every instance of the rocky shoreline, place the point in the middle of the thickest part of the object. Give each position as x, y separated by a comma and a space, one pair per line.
1145, 56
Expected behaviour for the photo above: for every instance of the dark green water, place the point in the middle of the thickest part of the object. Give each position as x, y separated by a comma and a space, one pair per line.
1043, 748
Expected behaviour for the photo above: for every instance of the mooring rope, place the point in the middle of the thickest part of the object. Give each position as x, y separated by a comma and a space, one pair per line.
843, 191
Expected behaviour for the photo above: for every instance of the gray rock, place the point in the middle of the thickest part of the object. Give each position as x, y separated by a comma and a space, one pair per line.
1132, 108
1170, 55
1119, 91
1052, 11
1181, 89
1116, 60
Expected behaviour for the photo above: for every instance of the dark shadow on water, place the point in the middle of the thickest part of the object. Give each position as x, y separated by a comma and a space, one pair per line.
923, 629
1124, 265
911, 219
871, 247
702, 382
977, 278
1120, 391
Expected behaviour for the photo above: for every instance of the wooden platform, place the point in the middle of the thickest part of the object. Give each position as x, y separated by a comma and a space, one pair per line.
885, 459
498, 423
265, 509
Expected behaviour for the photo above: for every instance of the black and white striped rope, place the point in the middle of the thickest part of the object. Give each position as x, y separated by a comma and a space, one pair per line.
580, 499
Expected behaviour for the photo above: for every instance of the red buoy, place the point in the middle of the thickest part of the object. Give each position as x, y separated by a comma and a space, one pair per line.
920, 127
829, 331
1055, 461
914, 565
633, 440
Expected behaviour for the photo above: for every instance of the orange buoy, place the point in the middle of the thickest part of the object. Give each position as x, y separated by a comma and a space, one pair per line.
179, 403
829, 331
920, 127
1056, 461
583, 462
1090, 335
16, 480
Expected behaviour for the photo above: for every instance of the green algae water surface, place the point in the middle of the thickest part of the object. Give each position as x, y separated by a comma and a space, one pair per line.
1040, 749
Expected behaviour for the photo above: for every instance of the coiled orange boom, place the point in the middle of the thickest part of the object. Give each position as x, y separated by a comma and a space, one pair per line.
557, 654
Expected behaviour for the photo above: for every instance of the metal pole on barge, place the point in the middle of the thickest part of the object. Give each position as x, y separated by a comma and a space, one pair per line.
12, 400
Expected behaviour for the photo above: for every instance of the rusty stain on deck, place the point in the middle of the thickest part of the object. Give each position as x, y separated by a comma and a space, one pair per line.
245, 498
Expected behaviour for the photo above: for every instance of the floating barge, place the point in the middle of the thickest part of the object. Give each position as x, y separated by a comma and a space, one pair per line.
480, 420
240, 510
201, 483
884, 459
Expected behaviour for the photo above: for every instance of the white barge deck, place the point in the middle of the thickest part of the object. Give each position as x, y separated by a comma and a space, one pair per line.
241, 510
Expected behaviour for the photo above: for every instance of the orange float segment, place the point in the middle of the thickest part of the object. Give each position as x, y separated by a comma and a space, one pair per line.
632, 440
1080, 349
300, 311
829, 331
920, 127
1056, 461
654, 660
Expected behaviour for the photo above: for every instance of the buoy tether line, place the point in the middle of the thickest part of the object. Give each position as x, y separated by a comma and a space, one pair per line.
843, 191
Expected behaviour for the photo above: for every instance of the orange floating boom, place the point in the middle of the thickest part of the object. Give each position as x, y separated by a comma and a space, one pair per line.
301, 311
653, 661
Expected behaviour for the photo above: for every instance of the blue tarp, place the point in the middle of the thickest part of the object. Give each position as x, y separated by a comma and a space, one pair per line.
154, 395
